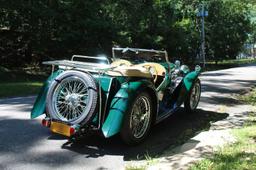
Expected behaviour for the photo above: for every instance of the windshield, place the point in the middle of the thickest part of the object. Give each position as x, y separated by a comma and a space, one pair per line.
137, 56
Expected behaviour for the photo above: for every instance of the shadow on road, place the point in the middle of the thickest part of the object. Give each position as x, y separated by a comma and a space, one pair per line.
172, 132
225, 86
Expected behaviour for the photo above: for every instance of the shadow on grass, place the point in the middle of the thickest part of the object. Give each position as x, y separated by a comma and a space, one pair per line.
173, 131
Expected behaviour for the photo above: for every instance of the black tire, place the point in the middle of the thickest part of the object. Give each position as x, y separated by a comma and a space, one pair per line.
89, 104
127, 134
189, 108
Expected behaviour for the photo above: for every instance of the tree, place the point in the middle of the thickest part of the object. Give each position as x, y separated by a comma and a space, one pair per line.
227, 26
36, 30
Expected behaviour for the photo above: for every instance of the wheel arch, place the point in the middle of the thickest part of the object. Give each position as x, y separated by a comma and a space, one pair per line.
186, 86
152, 92
121, 102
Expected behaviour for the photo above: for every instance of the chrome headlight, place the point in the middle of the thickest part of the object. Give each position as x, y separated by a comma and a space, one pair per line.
184, 69
197, 68
177, 64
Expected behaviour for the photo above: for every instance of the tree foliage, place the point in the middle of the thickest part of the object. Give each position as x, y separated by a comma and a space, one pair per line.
36, 30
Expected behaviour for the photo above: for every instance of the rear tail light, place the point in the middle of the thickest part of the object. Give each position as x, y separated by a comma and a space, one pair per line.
46, 122
72, 131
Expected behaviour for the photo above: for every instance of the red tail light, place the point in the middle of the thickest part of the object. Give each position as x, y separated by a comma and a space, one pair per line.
46, 123
72, 131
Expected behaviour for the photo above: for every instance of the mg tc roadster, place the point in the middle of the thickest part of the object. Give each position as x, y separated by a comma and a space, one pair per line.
124, 94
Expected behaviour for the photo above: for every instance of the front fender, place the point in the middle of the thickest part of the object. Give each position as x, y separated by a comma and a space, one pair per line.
40, 103
189, 80
121, 103
187, 84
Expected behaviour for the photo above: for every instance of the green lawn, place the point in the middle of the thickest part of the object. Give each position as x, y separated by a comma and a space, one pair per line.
19, 83
225, 64
250, 98
19, 89
238, 156
235, 61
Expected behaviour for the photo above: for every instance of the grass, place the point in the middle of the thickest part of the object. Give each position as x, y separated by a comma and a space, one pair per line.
239, 155
250, 97
135, 168
19, 83
235, 61
149, 162
19, 89
210, 66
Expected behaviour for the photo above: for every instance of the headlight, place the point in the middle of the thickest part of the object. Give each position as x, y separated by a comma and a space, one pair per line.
184, 69
197, 68
177, 64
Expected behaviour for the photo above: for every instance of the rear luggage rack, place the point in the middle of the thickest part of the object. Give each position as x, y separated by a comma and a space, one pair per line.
94, 67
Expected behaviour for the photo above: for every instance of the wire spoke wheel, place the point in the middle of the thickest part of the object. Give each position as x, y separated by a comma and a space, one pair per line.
193, 98
138, 119
140, 116
70, 99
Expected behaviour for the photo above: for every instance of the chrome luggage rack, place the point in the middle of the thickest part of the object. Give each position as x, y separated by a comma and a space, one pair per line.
87, 66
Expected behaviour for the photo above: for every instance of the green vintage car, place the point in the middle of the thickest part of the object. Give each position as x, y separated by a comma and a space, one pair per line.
126, 94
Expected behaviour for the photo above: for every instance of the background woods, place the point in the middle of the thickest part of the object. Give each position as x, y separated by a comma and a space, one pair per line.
36, 30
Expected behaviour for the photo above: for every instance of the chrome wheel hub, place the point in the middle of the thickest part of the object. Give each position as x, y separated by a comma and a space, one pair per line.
72, 100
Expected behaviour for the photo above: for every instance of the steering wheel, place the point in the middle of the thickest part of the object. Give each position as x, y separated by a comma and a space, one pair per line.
153, 71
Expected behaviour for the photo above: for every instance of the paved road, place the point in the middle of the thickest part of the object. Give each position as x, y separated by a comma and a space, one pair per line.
25, 144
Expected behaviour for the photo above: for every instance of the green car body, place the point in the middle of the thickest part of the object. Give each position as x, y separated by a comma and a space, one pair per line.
119, 92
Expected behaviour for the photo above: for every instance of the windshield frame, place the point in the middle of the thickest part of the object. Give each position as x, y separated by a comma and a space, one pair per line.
139, 50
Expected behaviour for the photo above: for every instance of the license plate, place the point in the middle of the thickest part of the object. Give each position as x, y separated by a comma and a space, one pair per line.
60, 128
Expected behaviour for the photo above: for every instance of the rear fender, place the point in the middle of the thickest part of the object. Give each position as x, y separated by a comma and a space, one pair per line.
121, 103
40, 103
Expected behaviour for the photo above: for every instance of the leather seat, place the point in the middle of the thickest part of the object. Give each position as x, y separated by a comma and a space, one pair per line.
125, 68
130, 71
159, 69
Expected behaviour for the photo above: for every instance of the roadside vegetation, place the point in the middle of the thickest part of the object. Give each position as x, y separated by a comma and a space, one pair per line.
236, 62
19, 83
225, 64
149, 162
33, 31
242, 153
250, 97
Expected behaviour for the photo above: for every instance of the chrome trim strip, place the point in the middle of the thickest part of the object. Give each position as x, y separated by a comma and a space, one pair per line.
106, 102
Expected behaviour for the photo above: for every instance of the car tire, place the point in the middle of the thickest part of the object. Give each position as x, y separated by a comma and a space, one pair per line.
137, 116
193, 97
81, 97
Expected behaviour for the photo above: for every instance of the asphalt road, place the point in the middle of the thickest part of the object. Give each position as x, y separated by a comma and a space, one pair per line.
25, 144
